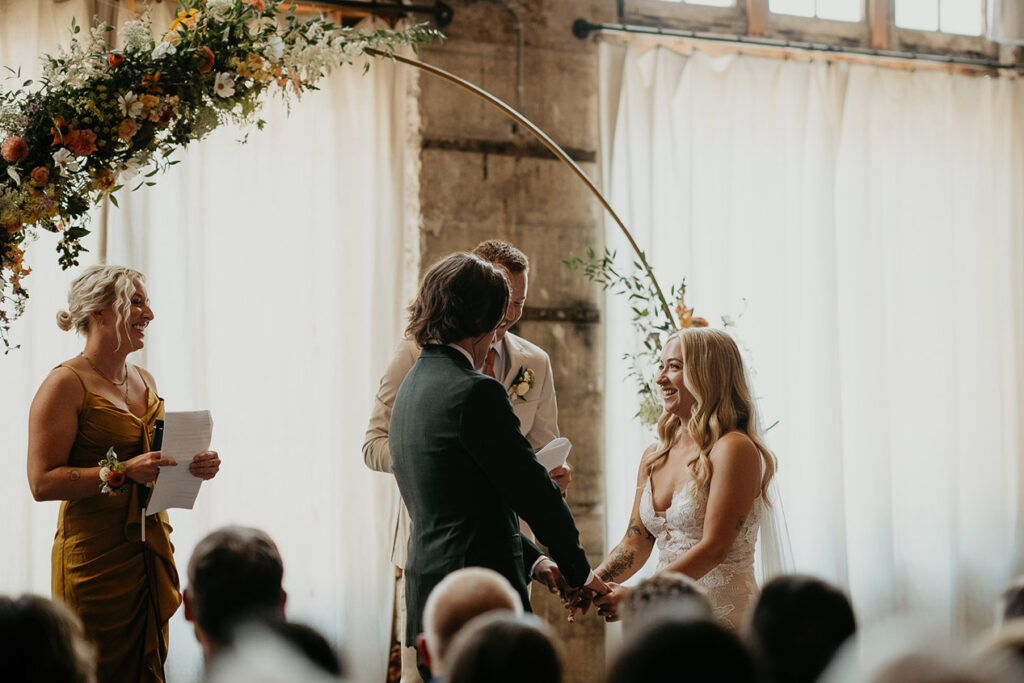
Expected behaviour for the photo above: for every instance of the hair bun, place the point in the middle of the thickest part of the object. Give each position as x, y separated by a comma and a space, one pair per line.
64, 320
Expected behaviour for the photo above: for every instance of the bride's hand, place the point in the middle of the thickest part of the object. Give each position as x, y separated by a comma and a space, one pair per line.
608, 604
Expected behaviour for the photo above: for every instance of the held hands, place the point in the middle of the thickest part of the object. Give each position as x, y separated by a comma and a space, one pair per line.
581, 598
144, 468
205, 465
608, 604
548, 573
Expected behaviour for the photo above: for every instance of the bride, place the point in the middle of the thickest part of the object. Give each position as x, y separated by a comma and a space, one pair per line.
702, 489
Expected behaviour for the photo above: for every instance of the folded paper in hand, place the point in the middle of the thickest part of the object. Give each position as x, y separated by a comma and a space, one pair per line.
555, 453
185, 435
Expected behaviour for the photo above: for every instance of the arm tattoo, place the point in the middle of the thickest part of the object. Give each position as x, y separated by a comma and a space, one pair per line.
622, 560
636, 528
74, 475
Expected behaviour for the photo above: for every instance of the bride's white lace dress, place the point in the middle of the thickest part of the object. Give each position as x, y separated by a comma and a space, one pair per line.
731, 586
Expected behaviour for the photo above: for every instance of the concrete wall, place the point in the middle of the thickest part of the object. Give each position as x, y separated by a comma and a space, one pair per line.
480, 178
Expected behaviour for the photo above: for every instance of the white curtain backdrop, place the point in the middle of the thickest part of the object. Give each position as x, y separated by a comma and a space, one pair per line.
277, 277
865, 225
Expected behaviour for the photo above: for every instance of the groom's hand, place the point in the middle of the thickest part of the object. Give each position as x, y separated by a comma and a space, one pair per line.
561, 476
580, 599
548, 573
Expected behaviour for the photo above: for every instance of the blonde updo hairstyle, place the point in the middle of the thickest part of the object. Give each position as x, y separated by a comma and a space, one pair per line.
97, 288
713, 374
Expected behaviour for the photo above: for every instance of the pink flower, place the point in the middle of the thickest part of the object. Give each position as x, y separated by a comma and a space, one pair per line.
81, 142
40, 175
14, 149
257, 5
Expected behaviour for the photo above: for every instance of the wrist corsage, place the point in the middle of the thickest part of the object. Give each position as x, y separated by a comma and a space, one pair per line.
523, 383
113, 479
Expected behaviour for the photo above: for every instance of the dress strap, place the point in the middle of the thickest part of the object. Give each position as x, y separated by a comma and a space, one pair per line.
80, 381
141, 376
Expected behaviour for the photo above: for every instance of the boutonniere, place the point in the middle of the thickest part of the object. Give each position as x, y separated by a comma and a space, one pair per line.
523, 383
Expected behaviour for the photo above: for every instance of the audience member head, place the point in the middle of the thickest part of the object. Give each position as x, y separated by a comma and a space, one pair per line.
1012, 600
705, 391
234, 574
270, 649
460, 597
461, 297
42, 641
97, 288
517, 267
505, 648
682, 649
664, 595
797, 626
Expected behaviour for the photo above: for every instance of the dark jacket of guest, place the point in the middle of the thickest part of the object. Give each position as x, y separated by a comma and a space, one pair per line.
464, 471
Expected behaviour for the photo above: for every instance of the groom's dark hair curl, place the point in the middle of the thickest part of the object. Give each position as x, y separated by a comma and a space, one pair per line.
461, 296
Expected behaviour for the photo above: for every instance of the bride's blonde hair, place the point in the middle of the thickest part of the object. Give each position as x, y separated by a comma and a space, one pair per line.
713, 374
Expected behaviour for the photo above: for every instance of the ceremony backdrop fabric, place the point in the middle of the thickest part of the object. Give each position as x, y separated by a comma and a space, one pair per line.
864, 226
277, 275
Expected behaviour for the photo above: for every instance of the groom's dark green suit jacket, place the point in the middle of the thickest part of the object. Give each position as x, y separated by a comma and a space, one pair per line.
465, 470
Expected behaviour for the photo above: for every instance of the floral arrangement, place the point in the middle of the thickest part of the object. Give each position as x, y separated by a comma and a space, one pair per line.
524, 381
99, 117
112, 474
653, 323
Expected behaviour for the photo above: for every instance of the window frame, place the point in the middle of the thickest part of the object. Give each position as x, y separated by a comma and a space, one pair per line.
876, 30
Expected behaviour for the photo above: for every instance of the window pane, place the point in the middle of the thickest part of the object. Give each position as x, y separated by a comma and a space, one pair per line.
712, 3
962, 16
841, 10
922, 15
800, 8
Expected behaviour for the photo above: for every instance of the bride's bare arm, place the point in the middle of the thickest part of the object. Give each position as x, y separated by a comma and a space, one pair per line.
632, 552
735, 485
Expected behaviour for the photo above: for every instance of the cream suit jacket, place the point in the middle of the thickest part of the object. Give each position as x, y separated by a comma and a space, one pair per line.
537, 413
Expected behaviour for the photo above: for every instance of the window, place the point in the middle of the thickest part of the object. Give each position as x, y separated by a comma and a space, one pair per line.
961, 17
836, 10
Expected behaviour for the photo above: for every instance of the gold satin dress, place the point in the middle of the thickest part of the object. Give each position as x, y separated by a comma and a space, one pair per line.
124, 590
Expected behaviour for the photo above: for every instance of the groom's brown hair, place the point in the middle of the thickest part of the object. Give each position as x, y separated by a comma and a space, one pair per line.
461, 296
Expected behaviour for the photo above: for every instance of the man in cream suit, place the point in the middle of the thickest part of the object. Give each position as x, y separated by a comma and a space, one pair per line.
536, 409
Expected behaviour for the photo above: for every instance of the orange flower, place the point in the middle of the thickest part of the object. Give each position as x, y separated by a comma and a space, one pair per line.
258, 5
127, 129
115, 478
60, 130
81, 142
206, 59
12, 226
149, 101
152, 83
115, 59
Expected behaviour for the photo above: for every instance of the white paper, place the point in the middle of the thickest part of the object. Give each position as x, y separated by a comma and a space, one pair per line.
186, 434
555, 453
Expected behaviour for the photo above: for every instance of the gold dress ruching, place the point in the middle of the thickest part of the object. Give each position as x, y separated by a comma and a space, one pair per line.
125, 590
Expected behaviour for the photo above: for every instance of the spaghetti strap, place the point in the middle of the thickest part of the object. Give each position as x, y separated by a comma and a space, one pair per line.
80, 381
142, 377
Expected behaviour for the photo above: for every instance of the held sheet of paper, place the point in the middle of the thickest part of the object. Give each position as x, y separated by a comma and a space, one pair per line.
185, 435
555, 453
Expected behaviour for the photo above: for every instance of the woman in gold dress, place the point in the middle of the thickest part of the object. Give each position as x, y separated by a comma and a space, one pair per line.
120, 581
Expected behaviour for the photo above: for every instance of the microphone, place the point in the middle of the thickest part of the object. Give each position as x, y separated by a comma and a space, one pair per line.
158, 435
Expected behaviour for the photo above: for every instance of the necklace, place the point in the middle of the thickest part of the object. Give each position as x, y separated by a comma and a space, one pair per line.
122, 387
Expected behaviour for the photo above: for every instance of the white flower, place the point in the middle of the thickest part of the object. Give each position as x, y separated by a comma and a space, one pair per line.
64, 160
104, 473
219, 9
522, 388
14, 175
134, 36
130, 105
224, 85
128, 169
163, 49
274, 48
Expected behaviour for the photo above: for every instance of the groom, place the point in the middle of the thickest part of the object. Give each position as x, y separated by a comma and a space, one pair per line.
462, 465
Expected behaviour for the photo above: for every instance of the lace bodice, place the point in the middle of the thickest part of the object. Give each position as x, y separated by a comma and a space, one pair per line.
731, 585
